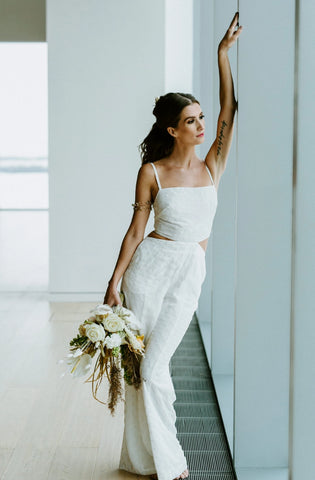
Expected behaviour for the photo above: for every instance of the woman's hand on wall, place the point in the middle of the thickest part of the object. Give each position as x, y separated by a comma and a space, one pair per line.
231, 35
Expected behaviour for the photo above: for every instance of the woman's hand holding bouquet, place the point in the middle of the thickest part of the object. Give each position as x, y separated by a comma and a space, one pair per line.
111, 333
112, 296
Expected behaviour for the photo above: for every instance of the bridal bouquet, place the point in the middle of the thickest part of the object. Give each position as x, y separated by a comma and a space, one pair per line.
111, 333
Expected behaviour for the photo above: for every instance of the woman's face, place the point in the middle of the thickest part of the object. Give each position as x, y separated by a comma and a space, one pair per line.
191, 126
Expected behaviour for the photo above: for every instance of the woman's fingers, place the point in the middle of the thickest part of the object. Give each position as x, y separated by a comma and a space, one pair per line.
234, 21
112, 299
236, 34
231, 30
231, 34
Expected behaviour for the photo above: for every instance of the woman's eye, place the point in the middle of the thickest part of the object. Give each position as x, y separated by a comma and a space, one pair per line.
192, 120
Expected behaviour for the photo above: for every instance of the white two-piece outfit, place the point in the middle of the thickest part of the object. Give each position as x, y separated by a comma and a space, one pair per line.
162, 285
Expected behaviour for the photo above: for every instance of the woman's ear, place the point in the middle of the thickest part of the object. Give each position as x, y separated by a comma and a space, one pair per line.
171, 131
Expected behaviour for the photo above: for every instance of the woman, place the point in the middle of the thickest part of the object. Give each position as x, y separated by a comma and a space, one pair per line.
162, 273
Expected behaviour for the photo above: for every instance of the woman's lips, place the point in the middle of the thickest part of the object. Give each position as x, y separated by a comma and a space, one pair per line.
201, 134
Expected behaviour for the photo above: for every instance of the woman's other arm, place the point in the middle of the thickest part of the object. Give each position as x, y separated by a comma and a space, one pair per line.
217, 156
134, 234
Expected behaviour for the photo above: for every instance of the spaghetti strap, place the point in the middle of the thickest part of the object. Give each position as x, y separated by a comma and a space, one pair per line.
156, 175
209, 173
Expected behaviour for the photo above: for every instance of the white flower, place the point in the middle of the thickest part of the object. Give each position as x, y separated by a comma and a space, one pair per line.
113, 340
120, 310
101, 309
128, 316
78, 352
136, 345
113, 323
94, 332
80, 365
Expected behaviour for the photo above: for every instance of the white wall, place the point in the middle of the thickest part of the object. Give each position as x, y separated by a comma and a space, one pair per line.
105, 67
224, 235
106, 64
216, 305
303, 312
268, 184
178, 45
264, 225
203, 87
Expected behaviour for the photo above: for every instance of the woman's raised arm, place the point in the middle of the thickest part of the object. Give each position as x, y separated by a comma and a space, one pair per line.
217, 156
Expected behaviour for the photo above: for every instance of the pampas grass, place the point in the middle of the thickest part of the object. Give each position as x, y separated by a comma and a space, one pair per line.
130, 362
108, 364
115, 389
110, 334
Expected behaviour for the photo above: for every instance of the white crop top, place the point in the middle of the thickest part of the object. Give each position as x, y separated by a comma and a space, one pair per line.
184, 213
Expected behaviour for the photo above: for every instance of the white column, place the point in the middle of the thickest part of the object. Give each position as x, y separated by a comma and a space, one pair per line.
178, 45
302, 441
203, 89
263, 244
216, 306
106, 64
224, 237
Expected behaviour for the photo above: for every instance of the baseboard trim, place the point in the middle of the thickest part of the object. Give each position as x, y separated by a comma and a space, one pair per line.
262, 473
97, 297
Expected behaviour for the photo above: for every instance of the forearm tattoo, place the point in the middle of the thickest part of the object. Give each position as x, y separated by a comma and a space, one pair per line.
221, 136
142, 205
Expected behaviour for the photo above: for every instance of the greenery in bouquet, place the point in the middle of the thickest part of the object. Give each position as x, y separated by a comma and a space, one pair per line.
111, 333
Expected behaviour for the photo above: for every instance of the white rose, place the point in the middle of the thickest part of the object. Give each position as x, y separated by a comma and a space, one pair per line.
127, 314
120, 310
113, 340
101, 309
113, 323
95, 332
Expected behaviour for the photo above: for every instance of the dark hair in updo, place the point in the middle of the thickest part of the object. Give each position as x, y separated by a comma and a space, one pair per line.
159, 143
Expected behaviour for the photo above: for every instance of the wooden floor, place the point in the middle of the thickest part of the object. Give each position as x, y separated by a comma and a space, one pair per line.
50, 426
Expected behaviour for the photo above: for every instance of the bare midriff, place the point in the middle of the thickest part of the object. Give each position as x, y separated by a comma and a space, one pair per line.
153, 234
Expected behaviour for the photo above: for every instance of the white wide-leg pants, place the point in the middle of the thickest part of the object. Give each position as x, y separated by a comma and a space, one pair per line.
162, 285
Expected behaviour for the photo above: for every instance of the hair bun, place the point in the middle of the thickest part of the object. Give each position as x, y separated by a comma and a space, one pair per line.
167, 111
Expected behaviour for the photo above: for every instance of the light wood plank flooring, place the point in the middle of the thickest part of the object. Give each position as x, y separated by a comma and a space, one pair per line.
50, 426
